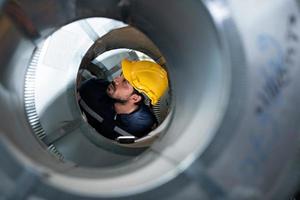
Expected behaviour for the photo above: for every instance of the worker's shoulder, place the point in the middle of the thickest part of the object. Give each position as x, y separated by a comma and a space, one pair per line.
143, 115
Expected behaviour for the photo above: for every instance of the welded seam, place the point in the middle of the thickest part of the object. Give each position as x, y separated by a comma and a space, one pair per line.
88, 30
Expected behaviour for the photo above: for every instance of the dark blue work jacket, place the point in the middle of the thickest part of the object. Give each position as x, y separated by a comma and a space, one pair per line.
138, 123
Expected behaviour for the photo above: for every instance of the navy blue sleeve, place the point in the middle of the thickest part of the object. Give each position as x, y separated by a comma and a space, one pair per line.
139, 123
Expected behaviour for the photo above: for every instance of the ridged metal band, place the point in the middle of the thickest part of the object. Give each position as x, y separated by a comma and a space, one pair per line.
29, 96
29, 101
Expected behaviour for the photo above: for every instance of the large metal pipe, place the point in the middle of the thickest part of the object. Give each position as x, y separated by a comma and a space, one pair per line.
232, 71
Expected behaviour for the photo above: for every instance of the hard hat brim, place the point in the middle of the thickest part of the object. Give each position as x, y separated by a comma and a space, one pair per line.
127, 69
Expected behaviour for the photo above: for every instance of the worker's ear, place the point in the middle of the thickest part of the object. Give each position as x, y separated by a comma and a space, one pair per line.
136, 98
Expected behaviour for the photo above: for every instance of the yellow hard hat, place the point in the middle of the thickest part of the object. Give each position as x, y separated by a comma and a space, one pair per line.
146, 77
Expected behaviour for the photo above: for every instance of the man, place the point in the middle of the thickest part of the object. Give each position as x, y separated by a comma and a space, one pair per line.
117, 108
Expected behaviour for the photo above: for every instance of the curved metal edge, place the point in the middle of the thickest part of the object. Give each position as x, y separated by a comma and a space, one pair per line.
235, 58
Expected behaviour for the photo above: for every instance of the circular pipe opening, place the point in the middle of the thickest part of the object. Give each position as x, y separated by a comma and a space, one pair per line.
200, 83
51, 89
107, 66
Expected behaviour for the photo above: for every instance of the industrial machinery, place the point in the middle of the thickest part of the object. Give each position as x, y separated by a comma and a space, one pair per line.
230, 121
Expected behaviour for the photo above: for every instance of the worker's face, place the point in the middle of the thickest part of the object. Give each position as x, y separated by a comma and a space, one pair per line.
120, 89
